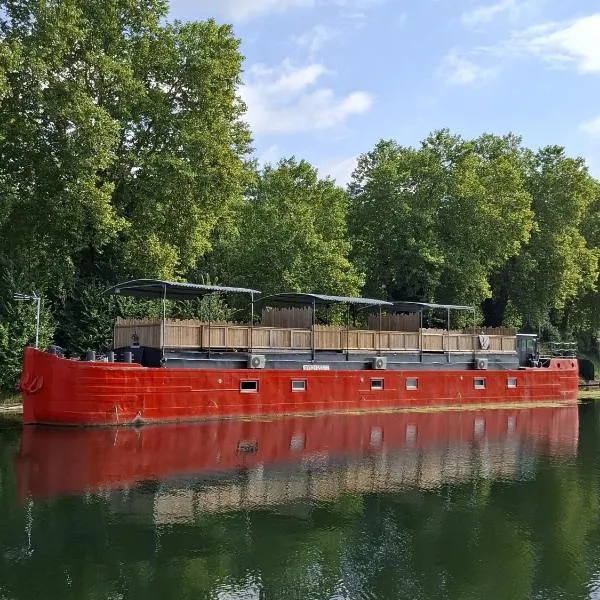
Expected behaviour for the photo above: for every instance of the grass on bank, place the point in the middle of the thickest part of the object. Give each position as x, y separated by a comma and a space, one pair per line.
9, 399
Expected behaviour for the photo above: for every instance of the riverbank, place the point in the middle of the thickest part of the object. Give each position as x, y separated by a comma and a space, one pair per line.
592, 393
11, 410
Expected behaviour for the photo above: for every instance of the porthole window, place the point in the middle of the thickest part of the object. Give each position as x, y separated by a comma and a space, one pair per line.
376, 384
479, 383
249, 385
412, 383
511, 382
298, 385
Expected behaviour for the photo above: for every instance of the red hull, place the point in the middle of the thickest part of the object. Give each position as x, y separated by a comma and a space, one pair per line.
55, 462
60, 391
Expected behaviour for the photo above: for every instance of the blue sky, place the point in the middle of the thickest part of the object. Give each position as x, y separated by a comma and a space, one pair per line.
326, 79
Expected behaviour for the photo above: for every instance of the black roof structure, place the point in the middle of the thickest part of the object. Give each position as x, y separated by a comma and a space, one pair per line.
306, 299
413, 307
173, 290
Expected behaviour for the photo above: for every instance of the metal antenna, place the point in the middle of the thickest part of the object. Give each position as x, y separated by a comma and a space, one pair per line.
33, 297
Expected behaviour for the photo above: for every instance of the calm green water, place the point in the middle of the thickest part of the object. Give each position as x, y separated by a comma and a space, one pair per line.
498, 504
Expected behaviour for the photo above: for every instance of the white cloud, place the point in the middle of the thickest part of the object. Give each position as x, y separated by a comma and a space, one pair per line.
339, 169
591, 128
286, 99
241, 10
457, 69
575, 42
314, 39
561, 44
484, 14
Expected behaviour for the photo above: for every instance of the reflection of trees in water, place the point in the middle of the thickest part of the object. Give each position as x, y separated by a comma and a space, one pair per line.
497, 521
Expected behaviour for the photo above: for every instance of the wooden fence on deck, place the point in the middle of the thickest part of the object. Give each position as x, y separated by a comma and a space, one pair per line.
196, 335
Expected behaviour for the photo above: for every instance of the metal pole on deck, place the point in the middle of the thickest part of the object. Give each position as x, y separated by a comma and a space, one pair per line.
421, 334
19, 297
209, 320
37, 321
251, 321
164, 321
474, 329
347, 332
313, 329
448, 335
379, 334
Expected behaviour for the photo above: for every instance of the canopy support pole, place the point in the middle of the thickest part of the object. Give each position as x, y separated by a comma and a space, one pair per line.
209, 320
474, 334
164, 324
448, 338
347, 332
421, 336
379, 334
251, 322
312, 337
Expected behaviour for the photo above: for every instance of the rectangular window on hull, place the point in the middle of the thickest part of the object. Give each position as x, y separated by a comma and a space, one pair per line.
249, 385
511, 382
412, 383
376, 384
298, 385
479, 383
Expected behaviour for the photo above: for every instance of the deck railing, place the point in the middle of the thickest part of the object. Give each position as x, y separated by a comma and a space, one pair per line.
198, 335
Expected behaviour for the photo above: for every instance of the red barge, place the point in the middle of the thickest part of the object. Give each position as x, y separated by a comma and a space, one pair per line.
165, 370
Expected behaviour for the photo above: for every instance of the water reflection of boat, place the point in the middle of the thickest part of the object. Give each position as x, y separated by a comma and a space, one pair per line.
216, 466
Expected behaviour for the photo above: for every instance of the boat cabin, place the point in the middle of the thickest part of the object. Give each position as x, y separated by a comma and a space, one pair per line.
283, 333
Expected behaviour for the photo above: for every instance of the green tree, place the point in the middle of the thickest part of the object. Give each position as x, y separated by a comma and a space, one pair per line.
292, 234
558, 264
120, 133
392, 222
432, 223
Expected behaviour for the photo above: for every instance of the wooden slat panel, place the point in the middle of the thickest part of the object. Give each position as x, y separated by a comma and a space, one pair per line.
148, 332
194, 334
433, 341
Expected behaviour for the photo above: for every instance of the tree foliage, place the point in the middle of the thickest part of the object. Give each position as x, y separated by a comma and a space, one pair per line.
433, 222
558, 264
119, 133
292, 234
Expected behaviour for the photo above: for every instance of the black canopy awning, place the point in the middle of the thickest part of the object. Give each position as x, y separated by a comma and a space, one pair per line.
173, 290
306, 299
413, 307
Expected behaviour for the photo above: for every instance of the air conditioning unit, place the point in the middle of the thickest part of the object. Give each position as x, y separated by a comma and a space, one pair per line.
481, 364
257, 361
380, 363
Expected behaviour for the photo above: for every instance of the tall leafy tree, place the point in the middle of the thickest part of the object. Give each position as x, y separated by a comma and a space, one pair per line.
432, 223
558, 264
120, 133
292, 234
392, 221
